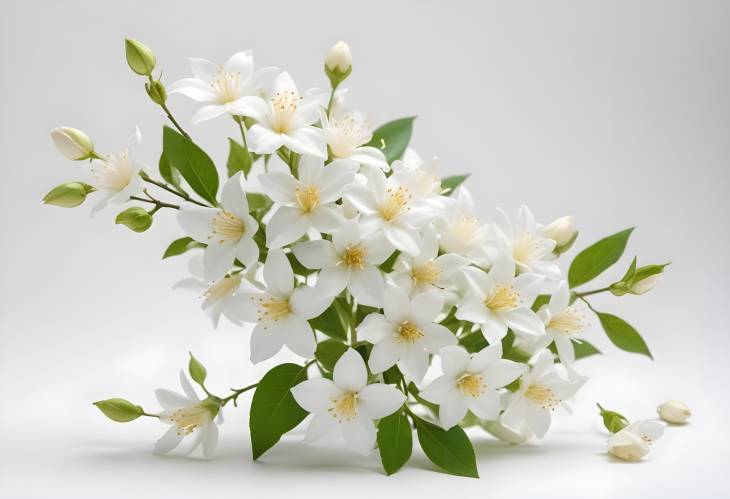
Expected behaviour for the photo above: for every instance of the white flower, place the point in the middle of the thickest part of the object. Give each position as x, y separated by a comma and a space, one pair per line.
346, 405
117, 175
281, 312
406, 333
561, 230
426, 271
525, 243
339, 57
187, 414
72, 143
227, 230
498, 300
540, 392
460, 229
632, 443
348, 261
346, 136
674, 411
286, 120
232, 88
218, 296
307, 202
421, 179
470, 383
388, 207
563, 322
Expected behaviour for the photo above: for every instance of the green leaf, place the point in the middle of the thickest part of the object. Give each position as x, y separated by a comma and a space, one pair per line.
392, 375
136, 218
119, 410
449, 184
180, 246
395, 442
329, 352
333, 322
273, 408
540, 301
257, 201
393, 137
449, 450
239, 159
168, 173
592, 261
623, 335
197, 370
473, 342
387, 265
192, 162
585, 349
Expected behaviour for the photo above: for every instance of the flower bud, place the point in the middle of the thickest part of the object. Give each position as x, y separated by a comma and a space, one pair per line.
156, 91
338, 63
68, 195
628, 446
645, 285
674, 411
72, 143
562, 231
119, 410
136, 218
638, 281
139, 57
612, 420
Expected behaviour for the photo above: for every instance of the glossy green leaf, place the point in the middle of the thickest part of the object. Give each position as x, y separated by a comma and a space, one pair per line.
168, 173
273, 408
329, 352
592, 261
393, 138
257, 201
395, 442
334, 321
192, 162
623, 335
449, 450
449, 184
180, 246
585, 349
197, 370
239, 159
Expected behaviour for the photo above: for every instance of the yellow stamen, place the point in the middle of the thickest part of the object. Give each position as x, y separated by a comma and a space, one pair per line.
344, 408
471, 384
542, 396
272, 308
187, 419
307, 197
503, 299
396, 203
428, 273
224, 287
354, 256
284, 106
408, 333
526, 250
570, 321
226, 85
227, 227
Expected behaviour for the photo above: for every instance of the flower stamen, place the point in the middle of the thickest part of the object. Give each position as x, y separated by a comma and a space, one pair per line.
408, 332
224, 287
354, 256
503, 299
396, 203
227, 227
188, 419
570, 321
344, 408
471, 384
542, 396
428, 273
307, 197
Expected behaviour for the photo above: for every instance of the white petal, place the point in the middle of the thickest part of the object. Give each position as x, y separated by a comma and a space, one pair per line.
208, 112
538, 419
323, 429
298, 336
384, 355
566, 351
379, 400
396, 305
367, 286
414, 362
454, 360
315, 395
194, 88
494, 328
333, 179
332, 280
378, 247
233, 198
327, 218
210, 440
278, 274
306, 140
197, 222
486, 406
316, 254
279, 186
263, 140
241, 63
170, 400
187, 387
169, 441
436, 337
524, 321
247, 252
426, 306
266, 342
472, 309
453, 410
502, 372
374, 328
309, 302
203, 69
359, 435
560, 300
218, 259
528, 286
439, 389
482, 359
286, 226
350, 373
405, 240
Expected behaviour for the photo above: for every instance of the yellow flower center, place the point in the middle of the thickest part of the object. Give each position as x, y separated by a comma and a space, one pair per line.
347, 133
471, 384
114, 172
284, 106
428, 273
526, 250
464, 227
408, 333
272, 308
187, 419
354, 256
570, 321
503, 299
396, 203
226, 85
227, 227
542, 396
344, 407
307, 197
225, 287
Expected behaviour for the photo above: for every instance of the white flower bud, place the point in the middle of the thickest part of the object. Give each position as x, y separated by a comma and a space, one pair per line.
628, 446
645, 285
674, 411
560, 230
72, 143
339, 57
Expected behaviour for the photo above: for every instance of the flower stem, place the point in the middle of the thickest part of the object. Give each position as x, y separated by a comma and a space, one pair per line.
239, 120
236, 393
170, 116
332, 98
158, 204
592, 292
172, 190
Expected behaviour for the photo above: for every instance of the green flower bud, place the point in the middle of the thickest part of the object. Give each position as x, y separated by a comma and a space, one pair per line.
156, 91
613, 421
338, 63
72, 143
135, 218
638, 281
68, 195
197, 370
139, 57
562, 231
120, 410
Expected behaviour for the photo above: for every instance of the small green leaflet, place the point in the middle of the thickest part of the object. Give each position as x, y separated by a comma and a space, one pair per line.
623, 335
592, 261
192, 162
449, 184
449, 450
239, 159
273, 408
393, 138
168, 173
395, 442
329, 352
180, 246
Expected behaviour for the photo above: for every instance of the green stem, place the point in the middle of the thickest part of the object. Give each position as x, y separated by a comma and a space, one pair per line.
169, 114
172, 190
239, 120
236, 393
332, 98
158, 204
150, 415
580, 297
592, 292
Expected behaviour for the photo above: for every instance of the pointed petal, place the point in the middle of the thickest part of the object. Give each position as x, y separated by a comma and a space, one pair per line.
486, 406
454, 360
379, 400
169, 441
278, 274
349, 372
315, 395
367, 286
285, 227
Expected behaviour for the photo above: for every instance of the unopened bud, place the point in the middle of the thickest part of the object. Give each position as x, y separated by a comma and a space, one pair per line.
119, 410
139, 57
562, 231
674, 411
72, 143
338, 63
136, 218
156, 91
638, 281
613, 421
68, 195
627, 446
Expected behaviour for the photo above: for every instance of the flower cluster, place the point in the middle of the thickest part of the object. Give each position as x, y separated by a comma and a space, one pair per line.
359, 257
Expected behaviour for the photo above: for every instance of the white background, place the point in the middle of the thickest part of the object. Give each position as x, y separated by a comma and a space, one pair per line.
616, 112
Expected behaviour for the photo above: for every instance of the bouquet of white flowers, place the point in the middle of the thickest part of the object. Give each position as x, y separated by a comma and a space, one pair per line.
359, 258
